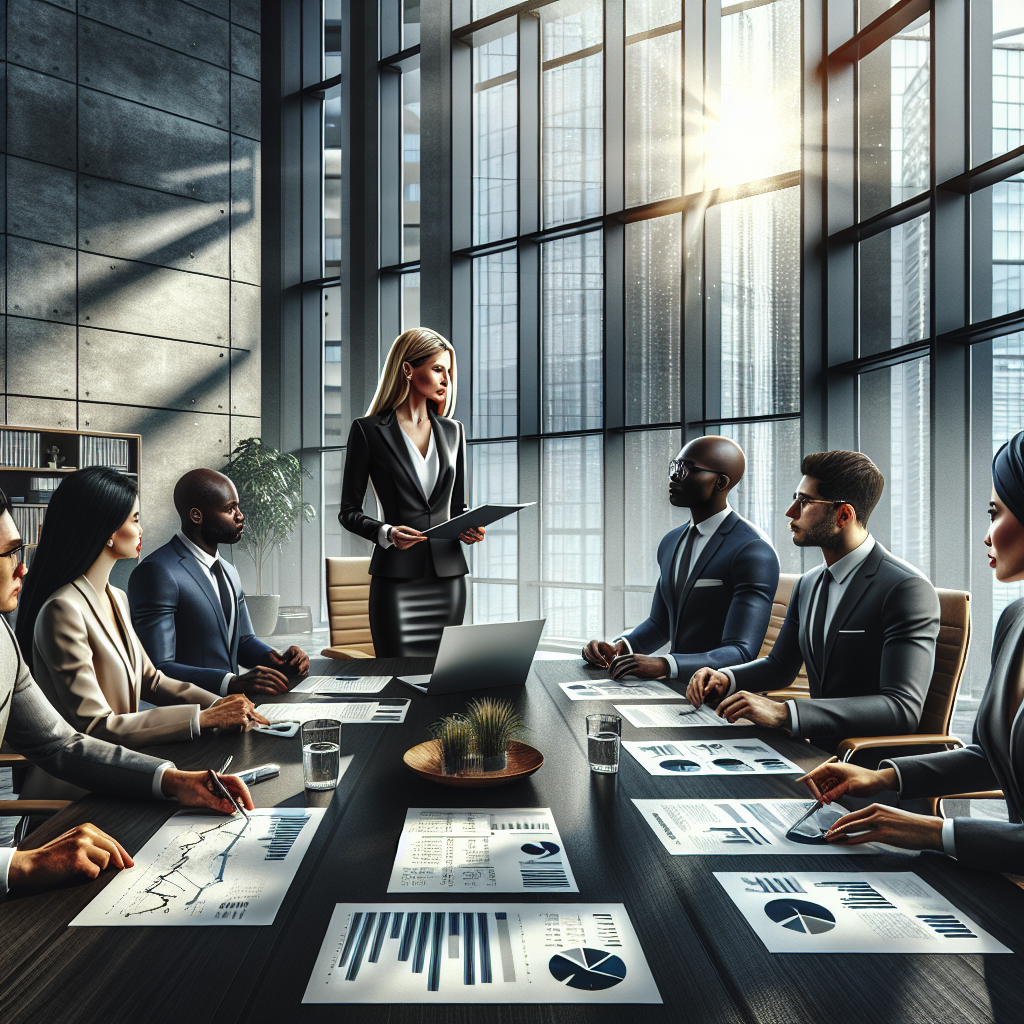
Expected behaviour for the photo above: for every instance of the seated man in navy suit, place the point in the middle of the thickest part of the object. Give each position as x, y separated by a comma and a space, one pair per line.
719, 574
188, 606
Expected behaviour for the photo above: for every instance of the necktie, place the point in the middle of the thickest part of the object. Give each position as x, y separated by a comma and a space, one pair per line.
818, 629
226, 595
682, 573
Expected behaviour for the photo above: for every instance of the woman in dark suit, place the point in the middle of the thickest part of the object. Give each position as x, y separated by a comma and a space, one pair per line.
413, 454
995, 760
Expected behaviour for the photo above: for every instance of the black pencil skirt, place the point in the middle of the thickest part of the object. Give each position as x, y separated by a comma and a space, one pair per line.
408, 616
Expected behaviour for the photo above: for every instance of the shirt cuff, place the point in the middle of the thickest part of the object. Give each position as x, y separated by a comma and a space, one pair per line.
6, 855
382, 536
673, 667
224, 684
624, 640
727, 672
794, 718
158, 778
949, 838
196, 728
896, 768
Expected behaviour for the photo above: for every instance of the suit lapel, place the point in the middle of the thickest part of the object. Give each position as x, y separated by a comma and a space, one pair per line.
391, 432
862, 580
709, 552
199, 574
992, 720
84, 587
444, 457
668, 578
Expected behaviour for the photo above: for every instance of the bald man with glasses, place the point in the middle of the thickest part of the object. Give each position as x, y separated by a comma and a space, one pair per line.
864, 623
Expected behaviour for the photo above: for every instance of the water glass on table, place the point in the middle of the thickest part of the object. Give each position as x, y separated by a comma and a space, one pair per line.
603, 732
321, 753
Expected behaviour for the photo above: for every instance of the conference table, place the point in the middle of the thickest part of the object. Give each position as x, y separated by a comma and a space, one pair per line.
708, 964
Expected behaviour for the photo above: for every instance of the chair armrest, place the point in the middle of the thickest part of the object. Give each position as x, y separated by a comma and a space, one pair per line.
24, 808
987, 794
849, 747
13, 761
343, 653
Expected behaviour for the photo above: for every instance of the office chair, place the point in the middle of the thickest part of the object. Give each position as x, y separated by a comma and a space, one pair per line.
348, 608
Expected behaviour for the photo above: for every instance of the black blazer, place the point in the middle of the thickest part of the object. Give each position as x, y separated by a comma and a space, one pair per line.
995, 760
879, 653
377, 454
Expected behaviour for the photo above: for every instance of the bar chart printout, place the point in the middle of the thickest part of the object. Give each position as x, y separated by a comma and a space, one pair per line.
730, 757
853, 912
516, 849
206, 869
609, 689
481, 953
670, 716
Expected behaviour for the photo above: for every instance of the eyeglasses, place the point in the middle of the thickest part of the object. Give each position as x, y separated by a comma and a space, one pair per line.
803, 501
17, 554
677, 467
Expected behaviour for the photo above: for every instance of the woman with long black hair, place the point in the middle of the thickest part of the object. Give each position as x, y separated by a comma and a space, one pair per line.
75, 629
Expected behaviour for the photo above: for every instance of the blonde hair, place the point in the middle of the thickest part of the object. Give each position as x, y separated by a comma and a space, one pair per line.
412, 346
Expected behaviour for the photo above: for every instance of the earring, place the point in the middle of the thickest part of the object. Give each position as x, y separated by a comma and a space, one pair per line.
110, 543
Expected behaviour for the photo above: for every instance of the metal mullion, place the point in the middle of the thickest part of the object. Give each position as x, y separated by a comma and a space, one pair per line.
390, 135
880, 31
721, 421
991, 172
614, 397
493, 19
887, 357
985, 330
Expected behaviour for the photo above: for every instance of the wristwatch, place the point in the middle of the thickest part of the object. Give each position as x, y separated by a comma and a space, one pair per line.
391, 530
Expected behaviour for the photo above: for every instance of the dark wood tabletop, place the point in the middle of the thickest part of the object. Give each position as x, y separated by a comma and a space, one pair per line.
708, 964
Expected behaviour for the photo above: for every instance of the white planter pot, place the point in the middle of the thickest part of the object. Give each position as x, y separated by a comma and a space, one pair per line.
263, 612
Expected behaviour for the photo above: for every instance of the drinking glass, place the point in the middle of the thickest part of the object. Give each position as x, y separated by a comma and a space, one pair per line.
603, 732
321, 753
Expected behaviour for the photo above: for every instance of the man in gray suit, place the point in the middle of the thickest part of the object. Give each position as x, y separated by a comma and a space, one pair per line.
33, 728
864, 623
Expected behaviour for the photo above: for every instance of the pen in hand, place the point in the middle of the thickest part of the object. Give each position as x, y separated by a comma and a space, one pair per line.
218, 785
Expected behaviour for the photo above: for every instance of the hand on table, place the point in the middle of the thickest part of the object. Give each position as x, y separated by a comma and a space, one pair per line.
601, 654
834, 779
261, 679
404, 537
80, 854
293, 662
642, 666
880, 823
755, 708
235, 711
194, 789
706, 686
473, 535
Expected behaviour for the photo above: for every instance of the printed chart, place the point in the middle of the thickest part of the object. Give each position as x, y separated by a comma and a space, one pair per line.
732, 827
847, 912
481, 953
669, 716
477, 850
201, 869
356, 710
342, 684
600, 689
731, 757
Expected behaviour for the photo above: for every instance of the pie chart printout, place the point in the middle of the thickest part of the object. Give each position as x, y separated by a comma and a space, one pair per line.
587, 969
679, 765
801, 916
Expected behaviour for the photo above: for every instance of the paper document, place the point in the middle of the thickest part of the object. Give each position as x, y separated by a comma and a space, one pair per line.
387, 710
732, 827
601, 689
205, 869
482, 515
730, 757
670, 716
477, 850
342, 684
853, 912
481, 953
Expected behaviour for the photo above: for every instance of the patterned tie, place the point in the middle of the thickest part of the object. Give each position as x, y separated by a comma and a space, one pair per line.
226, 594
818, 629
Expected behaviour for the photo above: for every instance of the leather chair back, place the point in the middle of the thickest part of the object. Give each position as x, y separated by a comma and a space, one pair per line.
951, 651
348, 603
787, 581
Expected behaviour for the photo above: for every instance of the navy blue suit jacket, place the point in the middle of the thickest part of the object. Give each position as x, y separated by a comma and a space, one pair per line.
726, 605
177, 614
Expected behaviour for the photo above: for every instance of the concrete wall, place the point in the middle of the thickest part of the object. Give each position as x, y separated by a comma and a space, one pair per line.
132, 235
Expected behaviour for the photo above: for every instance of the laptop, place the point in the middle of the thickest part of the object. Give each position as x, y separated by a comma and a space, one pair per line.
480, 657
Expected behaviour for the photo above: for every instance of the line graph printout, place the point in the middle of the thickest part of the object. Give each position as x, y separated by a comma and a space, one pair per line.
853, 912
477, 850
670, 716
342, 684
481, 953
204, 869
734, 827
730, 757
356, 710
610, 689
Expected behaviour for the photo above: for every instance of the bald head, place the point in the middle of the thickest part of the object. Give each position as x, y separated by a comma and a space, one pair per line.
721, 454
207, 504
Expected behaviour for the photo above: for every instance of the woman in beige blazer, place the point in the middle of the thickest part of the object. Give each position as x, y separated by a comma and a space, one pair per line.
85, 655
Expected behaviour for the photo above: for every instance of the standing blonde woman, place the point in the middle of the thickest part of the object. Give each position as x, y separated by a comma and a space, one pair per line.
413, 453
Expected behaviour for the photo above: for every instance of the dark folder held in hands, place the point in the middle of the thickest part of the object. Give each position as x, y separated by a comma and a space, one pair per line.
482, 515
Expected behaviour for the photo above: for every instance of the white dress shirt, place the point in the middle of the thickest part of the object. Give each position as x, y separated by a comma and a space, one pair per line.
948, 833
427, 468
207, 561
843, 572
705, 531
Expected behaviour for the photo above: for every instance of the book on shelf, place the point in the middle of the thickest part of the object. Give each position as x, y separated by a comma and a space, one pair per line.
19, 448
29, 521
103, 451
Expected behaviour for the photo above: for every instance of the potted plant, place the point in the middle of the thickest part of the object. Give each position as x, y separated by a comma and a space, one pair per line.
269, 484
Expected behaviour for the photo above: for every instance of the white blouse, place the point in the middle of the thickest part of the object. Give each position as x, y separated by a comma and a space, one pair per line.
427, 468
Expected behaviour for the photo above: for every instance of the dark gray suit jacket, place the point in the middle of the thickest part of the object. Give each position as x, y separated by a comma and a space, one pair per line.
879, 653
995, 760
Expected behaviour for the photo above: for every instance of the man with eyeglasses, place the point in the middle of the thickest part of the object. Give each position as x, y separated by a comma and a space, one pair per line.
32, 727
864, 623
719, 574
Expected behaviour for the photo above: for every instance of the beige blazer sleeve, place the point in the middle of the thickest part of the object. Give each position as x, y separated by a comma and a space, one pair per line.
87, 676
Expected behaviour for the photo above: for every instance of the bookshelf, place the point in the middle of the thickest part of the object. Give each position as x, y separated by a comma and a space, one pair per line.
29, 481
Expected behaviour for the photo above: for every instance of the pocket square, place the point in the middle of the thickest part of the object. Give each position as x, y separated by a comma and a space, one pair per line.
847, 632
708, 583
